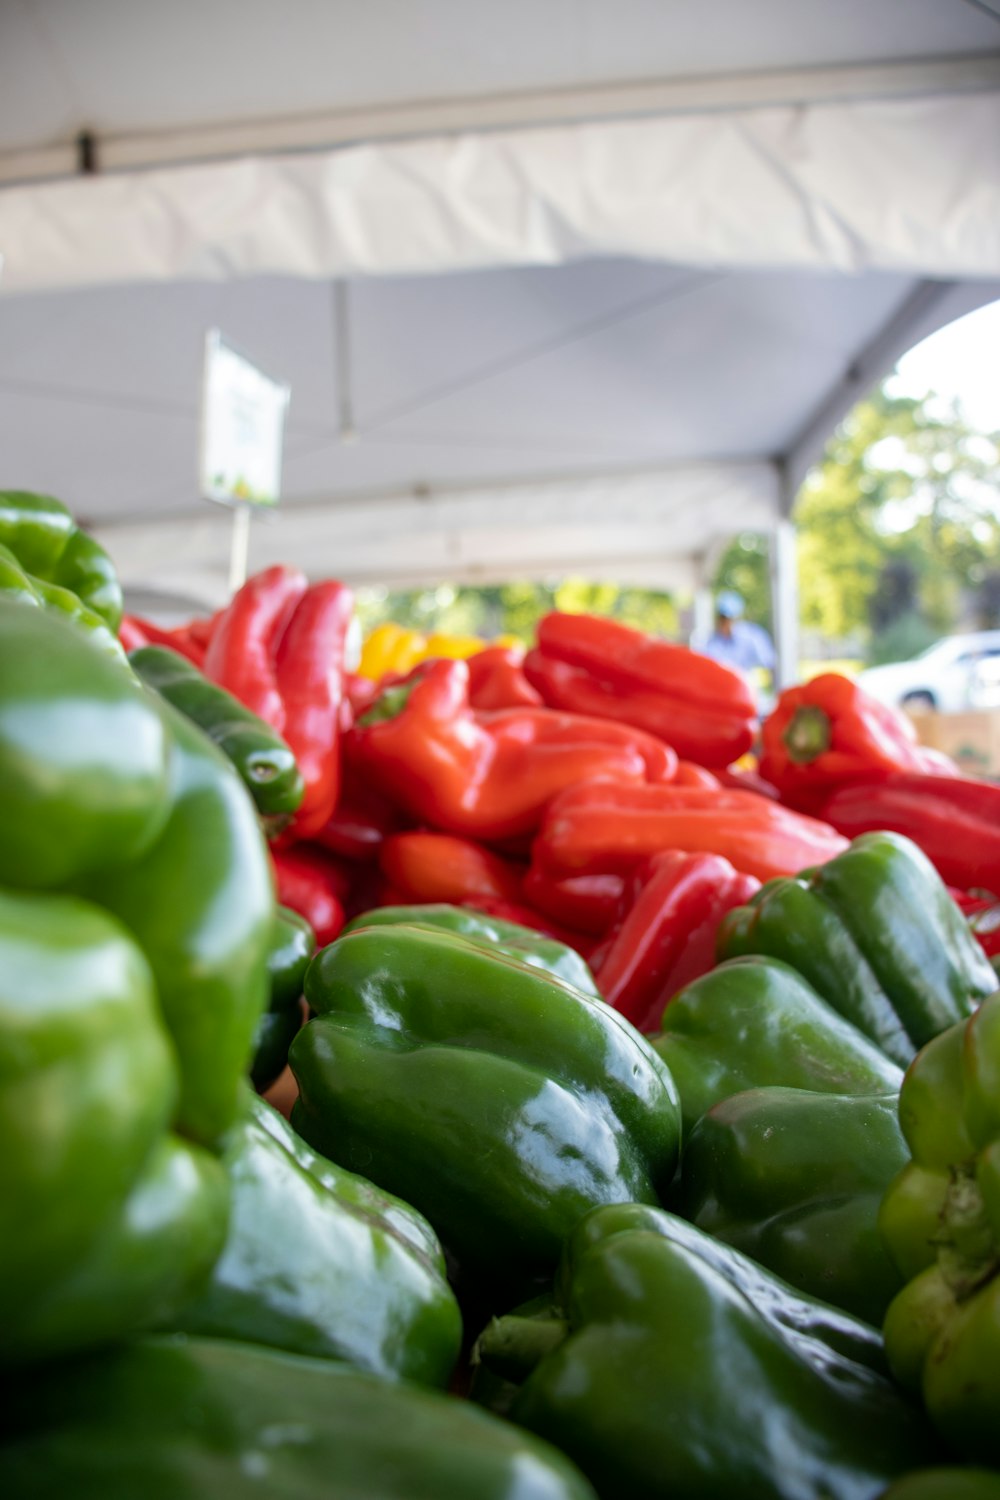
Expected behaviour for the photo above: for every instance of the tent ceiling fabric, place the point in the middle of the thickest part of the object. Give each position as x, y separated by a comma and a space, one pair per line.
591, 283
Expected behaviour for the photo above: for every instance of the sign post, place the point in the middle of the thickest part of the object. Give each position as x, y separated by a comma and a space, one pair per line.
242, 428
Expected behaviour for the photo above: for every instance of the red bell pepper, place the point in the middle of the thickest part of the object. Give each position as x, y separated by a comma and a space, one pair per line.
589, 665
361, 820
311, 882
955, 820
134, 631
608, 826
488, 775
691, 774
280, 646
497, 680
309, 673
432, 867
828, 731
666, 938
241, 654
588, 903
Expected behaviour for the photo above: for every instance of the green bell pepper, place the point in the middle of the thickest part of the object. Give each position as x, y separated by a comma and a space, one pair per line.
84, 755
794, 1179
45, 539
940, 1220
522, 943
265, 763
15, 583
196, 1419
687, 1369
136, 908
293, 944
755, 1021
319, 1262
875, 932
945, 1484
497, 1100
105, 1218
201, 903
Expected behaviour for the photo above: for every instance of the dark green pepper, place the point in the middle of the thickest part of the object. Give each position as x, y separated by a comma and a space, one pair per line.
136, 905
196, 1419
498, 1101
689, 1370
940, 1220
755, 1021
794, 1179
106, 1220
876, 933
84, 755
531, 948
45, 539
946, 1484
320, 1262
17, 584
264, 761
293, 944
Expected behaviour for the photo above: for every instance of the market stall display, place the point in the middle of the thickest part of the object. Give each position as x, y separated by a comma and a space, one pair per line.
574, 1014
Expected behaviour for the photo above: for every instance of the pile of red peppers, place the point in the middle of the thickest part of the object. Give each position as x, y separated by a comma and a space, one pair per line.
585, 788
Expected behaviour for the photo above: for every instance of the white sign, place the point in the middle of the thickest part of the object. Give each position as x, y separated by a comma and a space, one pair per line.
242, 425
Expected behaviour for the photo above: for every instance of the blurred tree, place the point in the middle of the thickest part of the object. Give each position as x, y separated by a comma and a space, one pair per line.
898, 540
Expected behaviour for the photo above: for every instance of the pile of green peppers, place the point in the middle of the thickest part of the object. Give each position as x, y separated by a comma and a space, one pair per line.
506, 1246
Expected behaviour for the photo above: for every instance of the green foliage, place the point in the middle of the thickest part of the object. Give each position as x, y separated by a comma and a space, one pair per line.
905, 489
515, 608
898, 541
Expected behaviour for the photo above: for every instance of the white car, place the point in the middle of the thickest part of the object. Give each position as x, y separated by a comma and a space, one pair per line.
956, 673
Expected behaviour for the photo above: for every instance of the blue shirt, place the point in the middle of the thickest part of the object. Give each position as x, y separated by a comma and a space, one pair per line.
749, 646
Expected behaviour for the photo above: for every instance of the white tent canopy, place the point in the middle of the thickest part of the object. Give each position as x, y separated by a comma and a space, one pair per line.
557, 286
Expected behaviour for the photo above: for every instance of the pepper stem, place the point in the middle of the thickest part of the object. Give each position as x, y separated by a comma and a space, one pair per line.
809, 733
512, 1346
968, 1254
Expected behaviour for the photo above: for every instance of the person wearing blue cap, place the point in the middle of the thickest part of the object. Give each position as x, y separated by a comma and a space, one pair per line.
737, 642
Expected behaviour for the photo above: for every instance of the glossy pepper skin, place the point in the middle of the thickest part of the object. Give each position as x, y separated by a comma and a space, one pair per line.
608, 827
666, 936
848, 927
597, 666
317, 1261
137, 903
794, 1179
521, 943
201, 904
498, 1101
755, 1021
18, 584
955, 820
203, 1419
264, 761
292, 945
940, 1220
827, 732
44, 537
283, 647
689, 1370
441, 867
107, 1219
107, 791
488, 775
312, 882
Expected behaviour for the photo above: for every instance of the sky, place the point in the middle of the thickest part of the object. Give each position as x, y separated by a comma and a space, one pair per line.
960, 360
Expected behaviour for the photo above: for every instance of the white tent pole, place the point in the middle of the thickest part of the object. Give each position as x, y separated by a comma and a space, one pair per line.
239, 552
905, 78
785, 602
